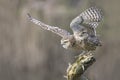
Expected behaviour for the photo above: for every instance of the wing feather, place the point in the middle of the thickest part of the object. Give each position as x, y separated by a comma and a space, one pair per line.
57, 30
90, 18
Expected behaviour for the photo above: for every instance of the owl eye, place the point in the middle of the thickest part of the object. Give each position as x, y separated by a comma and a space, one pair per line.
84, 33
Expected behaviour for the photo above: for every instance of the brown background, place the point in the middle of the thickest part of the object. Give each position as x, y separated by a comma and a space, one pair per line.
29, 53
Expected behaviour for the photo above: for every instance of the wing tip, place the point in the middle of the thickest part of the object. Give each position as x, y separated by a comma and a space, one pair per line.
29, 16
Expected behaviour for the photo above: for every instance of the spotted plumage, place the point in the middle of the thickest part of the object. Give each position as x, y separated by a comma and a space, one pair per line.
83, 27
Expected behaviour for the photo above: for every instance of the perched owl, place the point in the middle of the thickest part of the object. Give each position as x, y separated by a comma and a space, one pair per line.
83, 27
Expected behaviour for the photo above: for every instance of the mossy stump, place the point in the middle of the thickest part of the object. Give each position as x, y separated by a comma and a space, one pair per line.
75, 70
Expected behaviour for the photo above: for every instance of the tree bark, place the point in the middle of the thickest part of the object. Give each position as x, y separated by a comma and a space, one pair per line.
75, 71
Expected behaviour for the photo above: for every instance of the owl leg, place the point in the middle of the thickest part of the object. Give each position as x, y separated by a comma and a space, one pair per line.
81, 53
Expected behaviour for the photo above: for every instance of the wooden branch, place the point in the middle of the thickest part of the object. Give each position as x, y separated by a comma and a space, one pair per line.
75, 70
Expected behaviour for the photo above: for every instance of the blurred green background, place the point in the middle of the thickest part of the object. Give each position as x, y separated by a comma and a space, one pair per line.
29, 53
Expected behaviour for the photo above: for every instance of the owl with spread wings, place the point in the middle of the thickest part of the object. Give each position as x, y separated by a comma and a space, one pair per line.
84, 30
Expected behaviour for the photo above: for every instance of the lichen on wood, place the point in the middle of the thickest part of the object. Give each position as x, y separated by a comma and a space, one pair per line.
75, 71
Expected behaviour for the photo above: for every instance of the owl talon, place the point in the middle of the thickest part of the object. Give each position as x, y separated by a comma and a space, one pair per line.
83, 67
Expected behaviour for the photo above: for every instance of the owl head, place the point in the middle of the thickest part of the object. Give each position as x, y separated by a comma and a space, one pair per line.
81, 35
67, 42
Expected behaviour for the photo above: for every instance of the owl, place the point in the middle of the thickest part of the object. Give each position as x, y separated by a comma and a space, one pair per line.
84, 30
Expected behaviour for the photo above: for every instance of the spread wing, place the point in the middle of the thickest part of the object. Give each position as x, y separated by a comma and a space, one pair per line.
88, 19
57, 30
